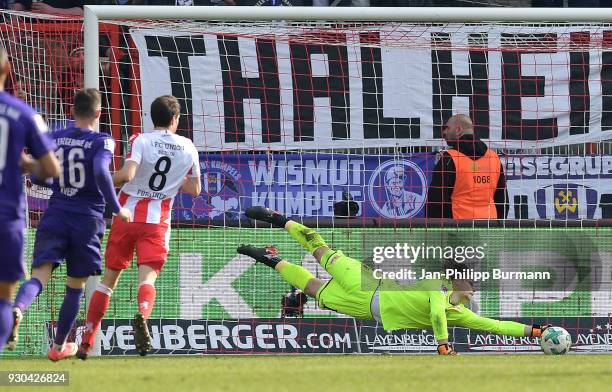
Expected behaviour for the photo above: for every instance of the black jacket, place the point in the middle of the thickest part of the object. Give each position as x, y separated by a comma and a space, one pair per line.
443, 180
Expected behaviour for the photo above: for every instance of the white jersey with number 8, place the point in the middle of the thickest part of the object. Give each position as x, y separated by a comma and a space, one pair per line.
164, 160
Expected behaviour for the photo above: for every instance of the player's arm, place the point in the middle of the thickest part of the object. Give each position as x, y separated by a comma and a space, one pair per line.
192, 184
439, 325
125, 174
42, 163
104, 180
464, 317
40, 169
130, 166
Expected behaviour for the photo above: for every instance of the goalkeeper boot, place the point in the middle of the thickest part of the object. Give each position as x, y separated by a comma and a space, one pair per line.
68, 350
266, 255
141, 335
13, 339
268, 215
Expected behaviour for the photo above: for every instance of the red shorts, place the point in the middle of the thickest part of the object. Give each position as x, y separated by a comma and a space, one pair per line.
151, 242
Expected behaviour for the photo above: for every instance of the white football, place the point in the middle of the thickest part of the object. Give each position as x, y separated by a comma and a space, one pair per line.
555, 341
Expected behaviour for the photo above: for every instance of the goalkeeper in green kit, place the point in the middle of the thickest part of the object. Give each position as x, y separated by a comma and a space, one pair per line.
428, 304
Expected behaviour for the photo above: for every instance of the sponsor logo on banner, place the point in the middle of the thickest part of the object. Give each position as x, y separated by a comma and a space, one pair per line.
598, 338
557, 187
221, 190
249, 336
398, 189
485, 342
565, 201
374, 338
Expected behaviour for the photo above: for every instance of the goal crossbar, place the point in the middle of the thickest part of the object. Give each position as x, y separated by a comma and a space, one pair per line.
94, 13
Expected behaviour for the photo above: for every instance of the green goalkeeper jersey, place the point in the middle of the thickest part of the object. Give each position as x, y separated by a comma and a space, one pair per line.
426, 304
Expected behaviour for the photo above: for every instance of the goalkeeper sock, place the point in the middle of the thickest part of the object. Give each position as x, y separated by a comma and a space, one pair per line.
98, 305
26, 294
146, 298
294, 274
306, 236
67, 314
6, 321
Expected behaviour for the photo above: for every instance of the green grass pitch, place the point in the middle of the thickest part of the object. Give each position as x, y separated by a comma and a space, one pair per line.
329, 373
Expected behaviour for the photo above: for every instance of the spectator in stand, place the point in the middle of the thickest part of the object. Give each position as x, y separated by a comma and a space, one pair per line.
57, 7
468, 181
567, 3
341, 3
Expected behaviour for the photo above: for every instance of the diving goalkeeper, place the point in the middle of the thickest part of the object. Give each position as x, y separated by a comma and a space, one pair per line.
430, 304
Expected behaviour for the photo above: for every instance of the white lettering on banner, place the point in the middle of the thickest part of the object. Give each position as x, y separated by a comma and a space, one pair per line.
173, 337
195, 337
219, 334
124, 336
310, 203
243, 342
200, 336
307, 172
260, 332
586, 167
404, 80
194, 293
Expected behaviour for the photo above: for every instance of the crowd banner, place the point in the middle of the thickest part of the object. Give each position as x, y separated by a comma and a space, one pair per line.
308, 185
525, 86
384, 186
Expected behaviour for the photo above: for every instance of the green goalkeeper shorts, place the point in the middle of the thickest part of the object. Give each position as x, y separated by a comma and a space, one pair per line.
351, 288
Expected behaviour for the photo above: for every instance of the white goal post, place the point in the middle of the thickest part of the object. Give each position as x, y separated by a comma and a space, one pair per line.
94, 13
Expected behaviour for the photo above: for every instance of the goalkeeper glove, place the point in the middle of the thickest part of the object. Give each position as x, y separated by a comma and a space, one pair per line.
446, 349
537, 330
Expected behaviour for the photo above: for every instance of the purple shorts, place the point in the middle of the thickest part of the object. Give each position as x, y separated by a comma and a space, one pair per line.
75, 238
12, 267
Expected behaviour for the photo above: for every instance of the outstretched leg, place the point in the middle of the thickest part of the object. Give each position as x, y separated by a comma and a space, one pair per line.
293, 274
305, 236
341, 295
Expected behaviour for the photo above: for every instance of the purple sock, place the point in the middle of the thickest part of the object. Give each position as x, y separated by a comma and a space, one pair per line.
67, 314
27, 292
6, 321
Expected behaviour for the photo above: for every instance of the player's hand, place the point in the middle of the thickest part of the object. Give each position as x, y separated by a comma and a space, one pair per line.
446, 349
27, 164
537, 330
124, 214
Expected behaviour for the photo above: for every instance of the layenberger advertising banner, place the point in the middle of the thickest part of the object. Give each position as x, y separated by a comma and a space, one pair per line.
307, 88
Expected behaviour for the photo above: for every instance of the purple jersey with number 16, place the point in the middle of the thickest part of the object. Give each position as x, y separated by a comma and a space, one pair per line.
72, 227
20, 127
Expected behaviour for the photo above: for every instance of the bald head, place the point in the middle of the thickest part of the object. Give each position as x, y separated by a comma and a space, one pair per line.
457, 126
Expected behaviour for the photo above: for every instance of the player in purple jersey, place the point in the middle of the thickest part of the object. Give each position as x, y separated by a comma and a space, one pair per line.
20, 127
72, 227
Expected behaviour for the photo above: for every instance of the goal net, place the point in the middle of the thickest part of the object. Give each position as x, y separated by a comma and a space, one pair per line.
339, 126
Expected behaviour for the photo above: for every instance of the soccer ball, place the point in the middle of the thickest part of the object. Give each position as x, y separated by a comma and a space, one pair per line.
555, 341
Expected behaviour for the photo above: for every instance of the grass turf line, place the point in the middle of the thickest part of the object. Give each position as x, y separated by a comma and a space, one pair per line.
328, 373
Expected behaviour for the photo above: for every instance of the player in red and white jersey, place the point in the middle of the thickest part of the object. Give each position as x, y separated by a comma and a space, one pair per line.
160, 163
